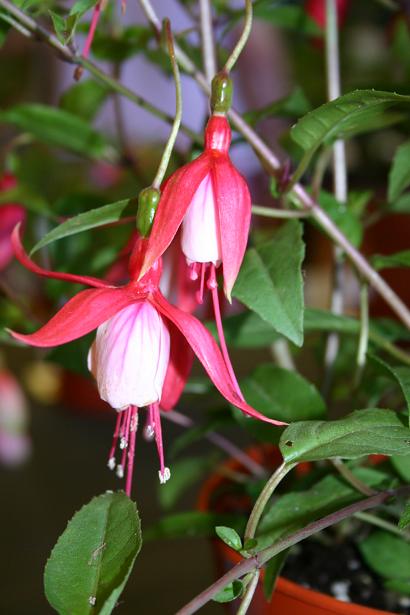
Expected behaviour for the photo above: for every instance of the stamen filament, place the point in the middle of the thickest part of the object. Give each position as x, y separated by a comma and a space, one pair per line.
93, 26
131, 451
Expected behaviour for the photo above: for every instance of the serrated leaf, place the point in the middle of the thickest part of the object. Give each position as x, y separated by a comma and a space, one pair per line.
58, 128
229, 537
84, 222
92, 560
64, 26
399, 259
387, 555
405, 517
363, 432
344, 117
281, 394
231, 592
402, 374
270, 281
399, 176
84, 99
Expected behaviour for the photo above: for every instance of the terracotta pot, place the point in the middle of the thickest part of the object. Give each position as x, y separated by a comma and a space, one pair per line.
289, 598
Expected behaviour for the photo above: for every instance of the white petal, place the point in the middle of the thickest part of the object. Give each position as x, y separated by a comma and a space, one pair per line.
200, 228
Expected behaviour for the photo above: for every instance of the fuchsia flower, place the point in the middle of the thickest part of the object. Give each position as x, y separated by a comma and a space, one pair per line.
10, 215
15, 445
141, 354
211, 200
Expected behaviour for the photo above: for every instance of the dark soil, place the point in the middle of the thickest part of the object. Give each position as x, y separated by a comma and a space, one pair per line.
339, 571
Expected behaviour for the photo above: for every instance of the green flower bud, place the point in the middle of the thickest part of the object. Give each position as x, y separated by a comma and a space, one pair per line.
221, 97
148, 200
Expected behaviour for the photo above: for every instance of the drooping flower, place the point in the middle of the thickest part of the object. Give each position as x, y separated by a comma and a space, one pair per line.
10, 215
15, 445
134, 313
211, 200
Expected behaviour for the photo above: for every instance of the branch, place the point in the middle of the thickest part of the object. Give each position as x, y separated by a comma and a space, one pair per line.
207, 38
258, 560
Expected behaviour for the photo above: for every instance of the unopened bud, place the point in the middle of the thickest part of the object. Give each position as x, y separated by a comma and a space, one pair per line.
148, 200
221, 97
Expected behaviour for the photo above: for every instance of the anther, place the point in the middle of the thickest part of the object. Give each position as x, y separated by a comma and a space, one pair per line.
149, 432
120, 471
164, 476
111, 463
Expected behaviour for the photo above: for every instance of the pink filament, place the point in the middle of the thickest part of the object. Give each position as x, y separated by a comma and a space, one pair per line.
158, 436
93, 26
200, 293
131, 450
213, 286
115, 437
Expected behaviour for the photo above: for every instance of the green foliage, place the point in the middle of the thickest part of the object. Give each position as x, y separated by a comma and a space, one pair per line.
405, 518
290, 17
230, 592
65, 26
58, 128
294, 105
401, 374
389, 557
270, 281
399, 177
185, 473
343, 217
363, 432
84, 99
93, 558
229, 537
272, 571
193, 524
400, 259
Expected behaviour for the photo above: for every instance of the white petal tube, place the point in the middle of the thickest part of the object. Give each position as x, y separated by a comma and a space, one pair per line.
200, 228
130, 356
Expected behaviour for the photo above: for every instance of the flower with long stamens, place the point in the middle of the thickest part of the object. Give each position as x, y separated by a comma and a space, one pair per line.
211, 200
115, 311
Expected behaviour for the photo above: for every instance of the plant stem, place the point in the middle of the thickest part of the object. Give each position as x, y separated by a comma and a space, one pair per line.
178, 110
248, 595
269, 212
351, 478
382, 523
221, 442
237, 50
340, 186
207, 39
264, 498
266, 155
258, 560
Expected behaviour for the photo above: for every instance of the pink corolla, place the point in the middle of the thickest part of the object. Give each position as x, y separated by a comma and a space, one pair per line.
141, 355
211, 200
10, 215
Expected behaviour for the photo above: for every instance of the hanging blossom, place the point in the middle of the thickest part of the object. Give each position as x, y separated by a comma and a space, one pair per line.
10, 215
140, 356
15, 444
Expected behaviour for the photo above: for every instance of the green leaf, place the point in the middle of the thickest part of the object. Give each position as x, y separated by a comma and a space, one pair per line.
270, 281
289, 17
345, 219
92, 560
272, 571
401, 206
387, 555
405, 517
64, 26
348, 115
246, 330
28, 198
398, 585
293, 105
185, 473
399, 259
84, 99
112, 47
363, 432
84, 222
58, 128
399, 176
402, 466
229, 536
193, 524
281, 394
402, 374
231, 592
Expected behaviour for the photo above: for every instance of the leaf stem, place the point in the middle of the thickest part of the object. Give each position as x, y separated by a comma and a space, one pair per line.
178, 110
270, 212
248, 595
237, 50
351, 478
207, 39
258, 560
382, 523
364, 331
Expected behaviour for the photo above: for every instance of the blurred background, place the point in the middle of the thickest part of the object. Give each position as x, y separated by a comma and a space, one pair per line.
54, 436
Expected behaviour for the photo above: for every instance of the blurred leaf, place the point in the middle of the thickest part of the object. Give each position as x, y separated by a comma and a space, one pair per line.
399, 176
289, 17
402, 205
399, 259
83, 222
92, 560
405, 518
280, 394
246, 330
387, 555
229, 537
295, 509
185, 473
115, 47
57, 128
65, 25
193, 524
402, 466
398, 585
84, 99
345, 219
357, 201
270, 281
231, 592
272, 571
351, 114
293, 105
402, 374
363, 432
28, 198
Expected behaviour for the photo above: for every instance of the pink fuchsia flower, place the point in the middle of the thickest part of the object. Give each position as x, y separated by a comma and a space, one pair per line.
10, 215
15, 445
211, 200
115, 311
